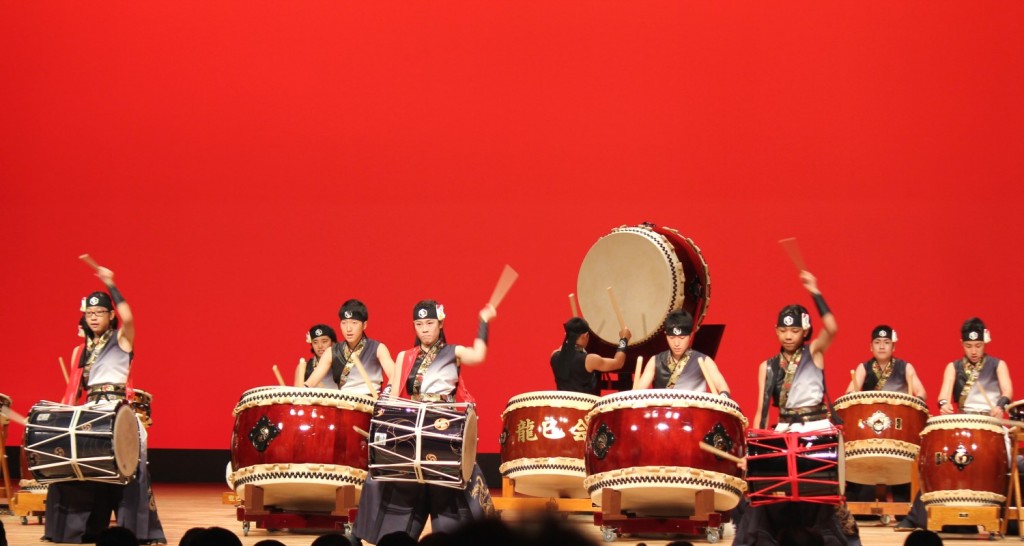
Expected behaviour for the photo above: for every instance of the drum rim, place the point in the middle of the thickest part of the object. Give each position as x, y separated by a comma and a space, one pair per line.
605, 403
537, 399
125, 419
301, 396
671, 233
862, 398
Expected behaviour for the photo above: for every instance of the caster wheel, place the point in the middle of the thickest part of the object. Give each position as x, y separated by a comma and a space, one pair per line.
608, 534
713, 535
245, 528
24, 520
886, 519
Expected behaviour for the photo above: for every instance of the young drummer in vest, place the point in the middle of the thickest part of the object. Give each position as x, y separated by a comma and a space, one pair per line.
77, 510
794, 381
975, 383
321, 338
884, 372
340, 360
577, 371
681, 367
429, 372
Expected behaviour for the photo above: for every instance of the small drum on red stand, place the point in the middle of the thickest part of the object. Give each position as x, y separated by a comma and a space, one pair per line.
299, 445
429, 443
964, 461
882, 433
96, 442
1016, 410
543, 442
645, 445
795, 466
656, 270
142, 403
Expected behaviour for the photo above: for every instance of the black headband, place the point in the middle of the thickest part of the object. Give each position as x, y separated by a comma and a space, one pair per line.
678, 323
576, 327
975, 331
97, 299
790, 317
883, 331
422, 311
321, 330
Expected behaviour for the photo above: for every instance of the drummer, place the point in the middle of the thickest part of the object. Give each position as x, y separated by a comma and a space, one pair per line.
429, 372
976, 383
884, 372
681, 367
578, 371
339, 363
320, 337
794, 381
77, 511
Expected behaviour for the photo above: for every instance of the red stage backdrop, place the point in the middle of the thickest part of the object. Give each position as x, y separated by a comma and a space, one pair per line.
246, 167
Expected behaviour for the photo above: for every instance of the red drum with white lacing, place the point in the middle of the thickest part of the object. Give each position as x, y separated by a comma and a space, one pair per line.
882, 434
963, 461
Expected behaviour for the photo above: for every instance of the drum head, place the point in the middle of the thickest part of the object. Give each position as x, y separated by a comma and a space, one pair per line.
642, 268
469, 445
127, 441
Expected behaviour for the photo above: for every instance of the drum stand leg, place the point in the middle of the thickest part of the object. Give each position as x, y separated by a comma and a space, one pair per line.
8, 494
1014, 488
253, 502
344, 500
509, 501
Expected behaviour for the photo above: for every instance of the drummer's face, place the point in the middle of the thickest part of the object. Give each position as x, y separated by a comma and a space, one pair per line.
974, 350
427, 330
791, 337
321, 344
98, 319
882, 348
352, 329
678, 344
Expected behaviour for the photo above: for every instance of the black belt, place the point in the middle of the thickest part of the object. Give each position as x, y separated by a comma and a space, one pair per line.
805, 414
106, 391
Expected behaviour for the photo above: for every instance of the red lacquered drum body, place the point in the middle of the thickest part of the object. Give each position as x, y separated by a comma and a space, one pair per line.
299, 445
963, 461
882, 430
644, 444
543, 442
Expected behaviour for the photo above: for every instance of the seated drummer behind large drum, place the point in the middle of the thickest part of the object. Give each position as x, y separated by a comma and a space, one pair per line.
681, 367
321, 338
794, 381
577, 371
977, 383
884, 372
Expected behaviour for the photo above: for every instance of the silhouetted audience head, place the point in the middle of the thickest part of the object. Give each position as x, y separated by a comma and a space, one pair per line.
439, 538
334, 539
922, 537
190, 535
3, 535
397, 538
679, 543
544, 531
800, 536
269, 542
216, 536
117, 536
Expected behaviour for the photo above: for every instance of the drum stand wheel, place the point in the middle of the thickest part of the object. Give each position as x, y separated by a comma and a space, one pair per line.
705, 521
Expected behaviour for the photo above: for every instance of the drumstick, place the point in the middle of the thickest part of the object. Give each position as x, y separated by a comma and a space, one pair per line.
366, 377
791, 248
723, 454
638, 372
853, 381
361, 432
89, 261
64, 369
703, 371
505, 281
615, 307
573, 307
277, 372
9, 413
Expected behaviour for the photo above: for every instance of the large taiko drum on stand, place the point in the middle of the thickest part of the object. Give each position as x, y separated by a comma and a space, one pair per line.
543, 443
98, 441
882, 431
644, 444
299, 445
964, 461
655, 269
804, 466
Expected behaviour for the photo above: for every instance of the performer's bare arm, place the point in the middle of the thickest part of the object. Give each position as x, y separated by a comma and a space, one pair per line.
478, 352
595, 362
323, 367
946, 392
914, 380
384, 356
300, 372
715, 375
126, 333
829, 327
762, 370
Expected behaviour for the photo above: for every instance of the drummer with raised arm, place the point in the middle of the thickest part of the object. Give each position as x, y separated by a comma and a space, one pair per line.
578, 371
77, 511
681, 367
429, 372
